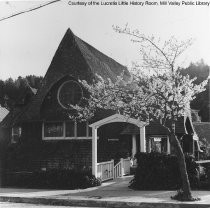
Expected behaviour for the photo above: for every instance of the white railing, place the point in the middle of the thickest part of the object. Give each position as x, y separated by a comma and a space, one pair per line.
118, 169
105, 170
122, 168
202, 161
126, 166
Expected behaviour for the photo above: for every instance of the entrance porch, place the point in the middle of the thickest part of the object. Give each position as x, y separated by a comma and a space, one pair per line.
108, 170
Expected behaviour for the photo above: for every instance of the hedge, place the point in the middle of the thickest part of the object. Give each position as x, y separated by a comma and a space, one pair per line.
158, 171
52, 179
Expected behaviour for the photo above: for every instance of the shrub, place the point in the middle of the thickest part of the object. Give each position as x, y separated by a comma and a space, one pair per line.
161, 171
53, 179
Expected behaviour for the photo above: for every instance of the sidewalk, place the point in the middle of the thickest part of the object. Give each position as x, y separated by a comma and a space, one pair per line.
113, 194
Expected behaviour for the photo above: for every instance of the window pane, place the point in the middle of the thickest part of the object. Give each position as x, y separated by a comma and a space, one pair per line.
70, 93
155, 144
16, 134
53, 129
164, 145
81, 129
17, 131
69, 129
158, 144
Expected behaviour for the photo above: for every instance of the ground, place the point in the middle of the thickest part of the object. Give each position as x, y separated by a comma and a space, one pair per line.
21, 205
112, 194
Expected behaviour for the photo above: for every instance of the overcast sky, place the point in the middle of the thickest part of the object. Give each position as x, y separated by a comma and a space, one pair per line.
29, 41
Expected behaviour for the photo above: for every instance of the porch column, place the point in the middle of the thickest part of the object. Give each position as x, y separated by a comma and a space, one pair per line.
168, 146
149, 145
193, 147
94, 151
142, 139
133, 145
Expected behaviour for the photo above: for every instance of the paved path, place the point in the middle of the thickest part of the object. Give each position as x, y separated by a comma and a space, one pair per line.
24, 205
111, 194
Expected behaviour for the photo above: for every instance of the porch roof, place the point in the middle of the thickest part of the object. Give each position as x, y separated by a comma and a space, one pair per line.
118, 118
154, 128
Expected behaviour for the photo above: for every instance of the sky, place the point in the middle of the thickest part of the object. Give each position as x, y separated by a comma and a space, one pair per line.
29, 41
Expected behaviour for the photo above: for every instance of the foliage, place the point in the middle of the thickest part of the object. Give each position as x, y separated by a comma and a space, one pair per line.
198, 69
157, 171
204, 173
53, 179
162, 95
11, 90
201, 71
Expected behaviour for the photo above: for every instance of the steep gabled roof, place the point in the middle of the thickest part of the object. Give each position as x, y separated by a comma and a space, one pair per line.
75, 58
3, 113
100, 63
20, 106
11, 117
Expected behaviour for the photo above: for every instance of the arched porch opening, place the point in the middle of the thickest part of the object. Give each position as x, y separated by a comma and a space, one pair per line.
117, 118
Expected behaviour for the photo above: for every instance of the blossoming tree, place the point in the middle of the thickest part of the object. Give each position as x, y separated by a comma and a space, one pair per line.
162, 95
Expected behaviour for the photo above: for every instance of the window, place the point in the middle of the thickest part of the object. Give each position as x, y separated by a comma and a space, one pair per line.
65, 130
70, 92
52, 129
70, 129
16, 134
82, 129
158, 144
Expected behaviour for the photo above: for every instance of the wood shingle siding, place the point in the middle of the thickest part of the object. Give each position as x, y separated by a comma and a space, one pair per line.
75, 58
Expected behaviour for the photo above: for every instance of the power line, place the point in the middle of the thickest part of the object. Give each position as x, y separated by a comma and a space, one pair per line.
28, 10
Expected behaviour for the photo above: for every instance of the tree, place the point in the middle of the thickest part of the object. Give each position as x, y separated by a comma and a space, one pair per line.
160, 93
12, 90
170, 92
198, 69
201, 102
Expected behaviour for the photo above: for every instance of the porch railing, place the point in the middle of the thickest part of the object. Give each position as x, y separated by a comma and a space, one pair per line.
202, 161
126, 166
107, 170
118, 169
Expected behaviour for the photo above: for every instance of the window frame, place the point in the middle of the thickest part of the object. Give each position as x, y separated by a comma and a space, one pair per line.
13, 141
60, 88
168, 149
52, 138
64, 137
